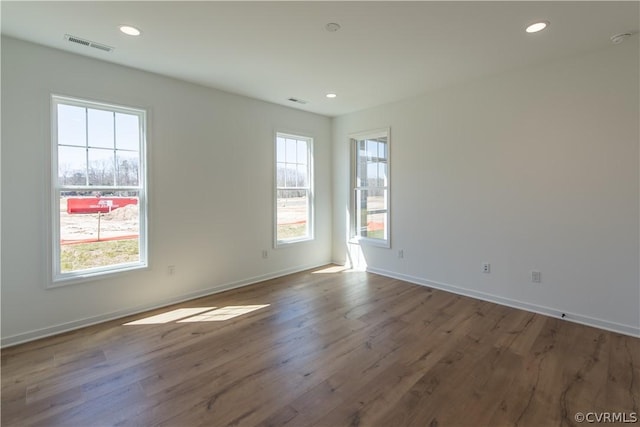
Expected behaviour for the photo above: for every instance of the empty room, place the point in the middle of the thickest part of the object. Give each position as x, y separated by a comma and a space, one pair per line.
369, 213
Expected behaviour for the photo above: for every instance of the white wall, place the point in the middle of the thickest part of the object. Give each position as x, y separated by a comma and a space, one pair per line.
211, 175
533, 169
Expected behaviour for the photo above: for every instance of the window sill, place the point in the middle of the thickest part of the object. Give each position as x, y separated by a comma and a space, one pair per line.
365, 241
90, 276
286, 243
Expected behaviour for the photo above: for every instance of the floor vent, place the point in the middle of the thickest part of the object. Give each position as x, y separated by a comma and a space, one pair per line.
88, 43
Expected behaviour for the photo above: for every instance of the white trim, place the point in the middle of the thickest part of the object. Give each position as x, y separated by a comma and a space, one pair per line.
368, 241
633, 331
82, 323
96, 105
277, 244
373, 133
630, 330
353, 235
55, 277
98, 273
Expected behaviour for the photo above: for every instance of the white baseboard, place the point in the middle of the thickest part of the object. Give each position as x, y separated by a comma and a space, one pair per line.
93, 320
630, 330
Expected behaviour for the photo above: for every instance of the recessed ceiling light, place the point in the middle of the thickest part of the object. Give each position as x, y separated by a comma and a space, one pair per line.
537, 26
129, 30
331, 95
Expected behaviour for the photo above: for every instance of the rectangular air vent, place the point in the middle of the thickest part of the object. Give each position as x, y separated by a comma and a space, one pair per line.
299, 101
88, 43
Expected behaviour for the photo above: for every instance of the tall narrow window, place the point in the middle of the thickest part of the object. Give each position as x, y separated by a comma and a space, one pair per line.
294, 189
370, 209
99, 188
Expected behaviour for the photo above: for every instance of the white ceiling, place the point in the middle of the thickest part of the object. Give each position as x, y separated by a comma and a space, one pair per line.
385, 51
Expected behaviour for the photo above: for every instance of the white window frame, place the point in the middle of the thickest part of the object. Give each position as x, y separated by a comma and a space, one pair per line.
355, 235
309, 188
59, 278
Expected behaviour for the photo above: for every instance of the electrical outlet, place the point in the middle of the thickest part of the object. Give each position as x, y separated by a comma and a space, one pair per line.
171, 270
401, 253
536, 276
265, 253
486, 267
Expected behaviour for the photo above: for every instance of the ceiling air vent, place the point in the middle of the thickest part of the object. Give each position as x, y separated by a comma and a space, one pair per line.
88, 43
299, 101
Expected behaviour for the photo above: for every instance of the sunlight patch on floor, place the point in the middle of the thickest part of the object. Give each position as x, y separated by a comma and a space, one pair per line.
170, 316
333, 269
224, 313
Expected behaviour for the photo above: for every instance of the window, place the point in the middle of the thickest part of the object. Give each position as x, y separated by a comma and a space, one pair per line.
370, 209
294, 189
98, 188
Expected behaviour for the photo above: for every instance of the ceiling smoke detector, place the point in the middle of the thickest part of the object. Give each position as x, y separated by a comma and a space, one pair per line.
619, 38
332, 27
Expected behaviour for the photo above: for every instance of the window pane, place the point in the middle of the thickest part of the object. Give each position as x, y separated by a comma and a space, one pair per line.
362, 148
361, 169
72, 125
291, 179
292, 214
72, 166
98, 230
302, 152
382, 174
371, 211
281, 172
372, 174
101, 167
372, 149
127, 168
100, 128
382, 148
127, 132
291, 151
302, 176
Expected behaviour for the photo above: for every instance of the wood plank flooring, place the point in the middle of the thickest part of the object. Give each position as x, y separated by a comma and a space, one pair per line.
331, 349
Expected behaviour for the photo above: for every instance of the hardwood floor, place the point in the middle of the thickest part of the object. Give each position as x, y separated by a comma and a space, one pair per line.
330, 349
